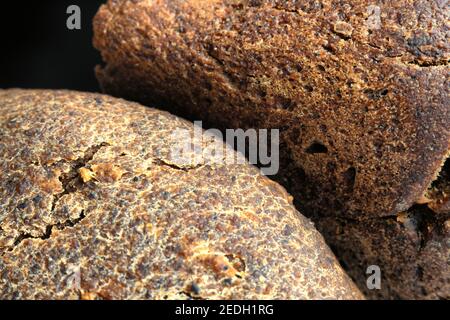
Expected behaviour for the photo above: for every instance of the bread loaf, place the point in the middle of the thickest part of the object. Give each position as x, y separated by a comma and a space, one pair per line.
93, 205
359, 89
412, 250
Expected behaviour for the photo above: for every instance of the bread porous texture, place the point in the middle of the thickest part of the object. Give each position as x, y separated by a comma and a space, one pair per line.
358, 89
412, 250
93, 206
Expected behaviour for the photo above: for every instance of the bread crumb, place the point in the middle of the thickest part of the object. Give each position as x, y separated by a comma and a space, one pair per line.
86, 174
107, 172
343, 29
88, 296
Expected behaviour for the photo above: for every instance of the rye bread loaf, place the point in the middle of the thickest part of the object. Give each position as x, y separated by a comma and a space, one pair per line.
412, 250
94, 206
359, 89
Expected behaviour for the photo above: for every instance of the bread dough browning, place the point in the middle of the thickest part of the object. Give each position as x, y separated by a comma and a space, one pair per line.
412, 250
92, 207
359, 89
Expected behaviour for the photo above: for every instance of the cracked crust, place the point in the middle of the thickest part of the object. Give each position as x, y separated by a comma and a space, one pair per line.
92, 208
373, 96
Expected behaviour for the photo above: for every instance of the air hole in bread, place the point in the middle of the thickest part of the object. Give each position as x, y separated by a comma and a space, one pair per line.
350, 177
329, 48
438, 194
317, 147
376, 94
285, 103
309, 88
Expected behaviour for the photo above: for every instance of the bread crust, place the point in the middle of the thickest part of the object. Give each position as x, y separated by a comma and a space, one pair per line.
359, 90
93, 207
412, 250
373, 96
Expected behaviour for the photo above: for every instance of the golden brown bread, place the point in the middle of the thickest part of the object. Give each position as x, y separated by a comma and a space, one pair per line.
93, 206
359, 90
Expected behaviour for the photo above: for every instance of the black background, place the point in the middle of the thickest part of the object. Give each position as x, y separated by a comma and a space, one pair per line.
38, 51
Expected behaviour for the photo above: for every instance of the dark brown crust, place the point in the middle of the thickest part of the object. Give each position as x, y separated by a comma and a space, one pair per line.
437, 196
88, 192
412, 250
377, 99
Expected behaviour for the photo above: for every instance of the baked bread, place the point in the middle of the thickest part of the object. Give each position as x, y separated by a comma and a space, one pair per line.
359, 89
412, 250
93, 205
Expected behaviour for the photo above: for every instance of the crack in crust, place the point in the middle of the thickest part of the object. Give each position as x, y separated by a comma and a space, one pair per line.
135, 228
48, 233
71, 183
375, 96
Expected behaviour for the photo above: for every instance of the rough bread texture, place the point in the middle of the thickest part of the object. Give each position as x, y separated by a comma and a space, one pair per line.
359, 89
412, 250
92, 206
